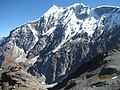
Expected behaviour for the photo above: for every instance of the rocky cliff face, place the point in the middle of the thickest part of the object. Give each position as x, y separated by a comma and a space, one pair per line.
100, 73
55, 45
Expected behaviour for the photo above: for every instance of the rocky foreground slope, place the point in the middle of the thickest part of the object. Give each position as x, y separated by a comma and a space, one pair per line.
17, 79
63, 39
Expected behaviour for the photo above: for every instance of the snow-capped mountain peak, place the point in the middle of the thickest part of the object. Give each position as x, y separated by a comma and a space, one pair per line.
55, 44
52, 10
76, 5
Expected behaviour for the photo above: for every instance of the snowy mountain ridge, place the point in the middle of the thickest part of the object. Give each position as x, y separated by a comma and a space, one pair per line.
57, 43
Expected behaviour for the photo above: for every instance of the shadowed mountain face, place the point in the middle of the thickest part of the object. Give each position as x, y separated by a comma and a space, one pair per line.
55, 45
100, 73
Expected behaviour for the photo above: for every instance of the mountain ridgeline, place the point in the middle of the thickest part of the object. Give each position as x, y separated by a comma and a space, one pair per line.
61, 40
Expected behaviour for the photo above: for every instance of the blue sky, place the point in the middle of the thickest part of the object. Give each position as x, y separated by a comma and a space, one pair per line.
17, 12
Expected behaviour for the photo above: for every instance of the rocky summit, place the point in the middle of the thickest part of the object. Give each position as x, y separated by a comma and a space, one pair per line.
63, 40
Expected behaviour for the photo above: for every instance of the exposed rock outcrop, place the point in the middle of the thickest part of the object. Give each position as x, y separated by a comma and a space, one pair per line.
17, 79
